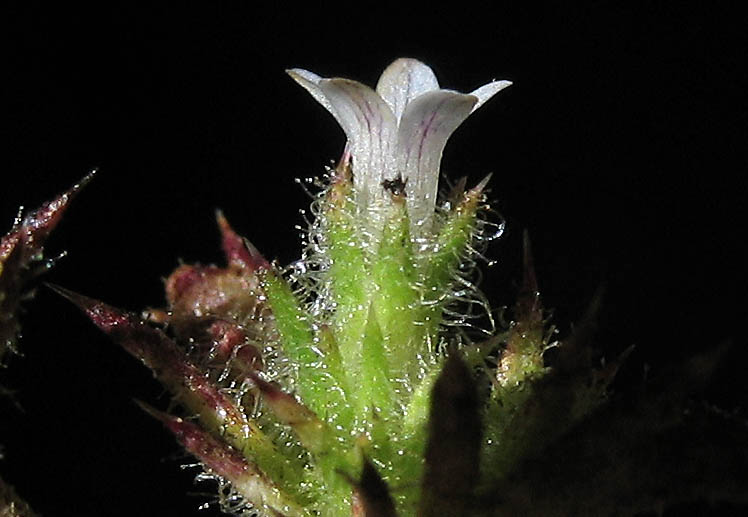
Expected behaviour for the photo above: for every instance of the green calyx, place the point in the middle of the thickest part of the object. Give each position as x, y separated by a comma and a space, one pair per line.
365, 364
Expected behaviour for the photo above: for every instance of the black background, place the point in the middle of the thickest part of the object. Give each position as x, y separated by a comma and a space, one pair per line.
620, 147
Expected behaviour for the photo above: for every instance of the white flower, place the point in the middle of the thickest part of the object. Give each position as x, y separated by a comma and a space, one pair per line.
399, 130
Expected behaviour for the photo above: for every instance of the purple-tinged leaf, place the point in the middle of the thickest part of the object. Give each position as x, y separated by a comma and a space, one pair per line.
19, 250
225, 461
32, 230
221, 458
168, 362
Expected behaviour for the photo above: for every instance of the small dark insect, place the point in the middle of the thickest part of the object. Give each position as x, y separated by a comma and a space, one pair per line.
396, 186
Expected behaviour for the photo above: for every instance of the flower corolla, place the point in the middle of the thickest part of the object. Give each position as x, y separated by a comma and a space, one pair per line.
396, 132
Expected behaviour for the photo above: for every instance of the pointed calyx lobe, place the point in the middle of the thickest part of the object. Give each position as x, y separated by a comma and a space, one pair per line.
20, 249
399, 130
526, 339
221, 309
239, 251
